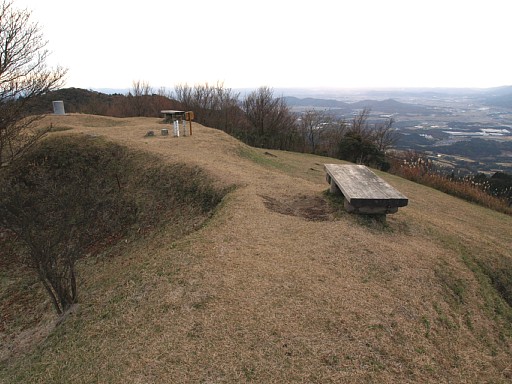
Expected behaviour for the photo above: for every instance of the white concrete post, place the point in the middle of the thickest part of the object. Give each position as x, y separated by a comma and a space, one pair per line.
58, 107
184, 127
176, 128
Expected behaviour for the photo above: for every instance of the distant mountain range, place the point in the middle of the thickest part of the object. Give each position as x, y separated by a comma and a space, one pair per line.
504, 101
389, 106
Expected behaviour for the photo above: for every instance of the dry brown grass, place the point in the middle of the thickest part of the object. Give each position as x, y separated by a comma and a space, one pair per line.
262, 294
464, 189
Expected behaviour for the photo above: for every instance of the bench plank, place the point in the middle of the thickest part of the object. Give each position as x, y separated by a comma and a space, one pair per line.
364, 189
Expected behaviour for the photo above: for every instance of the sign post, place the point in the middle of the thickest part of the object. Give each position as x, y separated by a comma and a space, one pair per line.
189, 116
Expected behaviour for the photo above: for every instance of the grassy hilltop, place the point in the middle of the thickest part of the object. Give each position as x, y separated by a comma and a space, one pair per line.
280, 285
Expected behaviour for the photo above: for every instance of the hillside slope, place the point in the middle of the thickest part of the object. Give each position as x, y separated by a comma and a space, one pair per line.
281, 287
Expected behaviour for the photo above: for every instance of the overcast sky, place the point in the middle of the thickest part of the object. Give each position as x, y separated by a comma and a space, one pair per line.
319, 43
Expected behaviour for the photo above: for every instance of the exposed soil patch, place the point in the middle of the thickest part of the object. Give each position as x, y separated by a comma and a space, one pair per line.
309, 207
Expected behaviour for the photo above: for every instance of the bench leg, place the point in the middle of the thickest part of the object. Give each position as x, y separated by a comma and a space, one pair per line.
369, 210
348, 207
334, 189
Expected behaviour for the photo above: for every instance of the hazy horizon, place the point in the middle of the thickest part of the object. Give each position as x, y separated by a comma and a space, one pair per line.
318, 91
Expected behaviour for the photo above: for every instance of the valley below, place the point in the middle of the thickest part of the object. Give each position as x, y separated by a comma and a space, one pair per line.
462, 131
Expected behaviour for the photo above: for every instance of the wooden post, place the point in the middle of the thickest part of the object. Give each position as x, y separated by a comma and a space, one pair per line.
189, 116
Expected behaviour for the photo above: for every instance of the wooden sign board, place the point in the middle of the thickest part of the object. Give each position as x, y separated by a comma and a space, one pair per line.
189, 116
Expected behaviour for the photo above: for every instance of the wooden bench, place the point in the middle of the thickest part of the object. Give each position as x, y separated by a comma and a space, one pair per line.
171, 115
364, 191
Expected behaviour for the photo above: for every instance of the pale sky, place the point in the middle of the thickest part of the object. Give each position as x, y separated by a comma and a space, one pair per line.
244, 44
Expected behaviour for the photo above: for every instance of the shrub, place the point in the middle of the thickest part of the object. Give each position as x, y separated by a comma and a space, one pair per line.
71, 195
416, 167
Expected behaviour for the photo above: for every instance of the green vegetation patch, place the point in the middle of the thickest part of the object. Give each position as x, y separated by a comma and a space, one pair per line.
266, 159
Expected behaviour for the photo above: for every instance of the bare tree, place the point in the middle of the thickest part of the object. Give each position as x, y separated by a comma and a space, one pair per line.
24, 76
183, 94
141, 88
384, 135
273, 124
213, 105
139, 98
332, 136
381, 134
359, 124
365, 143
313, 125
